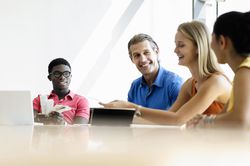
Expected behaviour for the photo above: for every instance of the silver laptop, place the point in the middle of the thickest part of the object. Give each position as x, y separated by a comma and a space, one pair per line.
16, 107
111, 116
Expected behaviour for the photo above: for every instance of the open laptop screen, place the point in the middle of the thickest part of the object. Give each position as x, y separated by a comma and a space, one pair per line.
111, 116
16, 107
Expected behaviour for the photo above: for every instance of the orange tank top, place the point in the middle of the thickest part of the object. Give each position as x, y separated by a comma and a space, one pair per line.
214, 108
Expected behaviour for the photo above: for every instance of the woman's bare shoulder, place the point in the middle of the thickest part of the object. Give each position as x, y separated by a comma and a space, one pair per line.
218, 84
219, 80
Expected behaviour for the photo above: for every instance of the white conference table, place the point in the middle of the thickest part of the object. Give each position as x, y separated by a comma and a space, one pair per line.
122, 146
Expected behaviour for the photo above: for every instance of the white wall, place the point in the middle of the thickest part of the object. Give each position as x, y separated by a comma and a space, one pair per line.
91, 34
33, 32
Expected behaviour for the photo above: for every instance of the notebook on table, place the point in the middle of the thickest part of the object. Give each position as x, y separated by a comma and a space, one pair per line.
111, 116
16, 107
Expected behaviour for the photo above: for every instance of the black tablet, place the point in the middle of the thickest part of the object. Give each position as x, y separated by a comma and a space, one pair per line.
111, 116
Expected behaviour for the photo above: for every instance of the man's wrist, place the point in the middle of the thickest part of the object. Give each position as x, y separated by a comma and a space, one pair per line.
138, 110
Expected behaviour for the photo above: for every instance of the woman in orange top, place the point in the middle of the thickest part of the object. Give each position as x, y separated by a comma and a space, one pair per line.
193, 50
231, 43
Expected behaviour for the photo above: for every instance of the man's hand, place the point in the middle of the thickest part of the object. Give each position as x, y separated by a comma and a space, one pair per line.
53, 118
56, 118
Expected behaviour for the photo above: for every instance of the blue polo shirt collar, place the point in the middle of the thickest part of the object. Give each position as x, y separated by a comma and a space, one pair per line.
158, 81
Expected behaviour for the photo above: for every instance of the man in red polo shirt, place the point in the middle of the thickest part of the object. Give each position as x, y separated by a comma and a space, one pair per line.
67, 107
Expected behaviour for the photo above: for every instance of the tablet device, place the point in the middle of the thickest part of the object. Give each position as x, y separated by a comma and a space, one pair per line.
111, 116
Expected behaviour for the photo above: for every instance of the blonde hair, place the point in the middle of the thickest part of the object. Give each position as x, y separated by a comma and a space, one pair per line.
198, 33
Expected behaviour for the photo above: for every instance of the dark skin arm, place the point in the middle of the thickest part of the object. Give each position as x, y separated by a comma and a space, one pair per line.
80, 120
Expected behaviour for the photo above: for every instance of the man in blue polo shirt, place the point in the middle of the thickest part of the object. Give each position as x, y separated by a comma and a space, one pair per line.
157, 87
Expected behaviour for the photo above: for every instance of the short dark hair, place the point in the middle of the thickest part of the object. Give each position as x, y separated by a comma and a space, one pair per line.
140, 38
58, 61
236, 26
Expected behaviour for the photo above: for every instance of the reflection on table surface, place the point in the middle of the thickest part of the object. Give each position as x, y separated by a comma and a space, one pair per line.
99, 145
